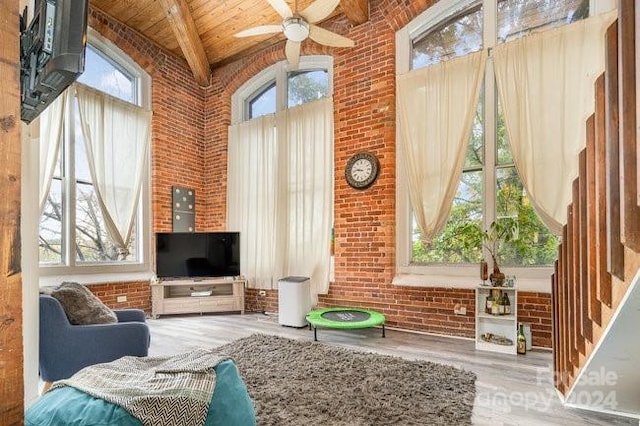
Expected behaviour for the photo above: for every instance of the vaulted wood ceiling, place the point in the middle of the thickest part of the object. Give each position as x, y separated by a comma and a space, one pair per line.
202, 31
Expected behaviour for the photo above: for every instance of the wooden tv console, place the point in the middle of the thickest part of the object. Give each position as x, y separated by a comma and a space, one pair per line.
194, 295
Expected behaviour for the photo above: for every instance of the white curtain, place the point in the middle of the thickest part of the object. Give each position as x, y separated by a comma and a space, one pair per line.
254, 198
545, 82
306, 134
280, 194
436, 105
50, 124
116, 136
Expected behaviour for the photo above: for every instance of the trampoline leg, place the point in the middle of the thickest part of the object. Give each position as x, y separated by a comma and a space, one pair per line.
315, 334
383, 330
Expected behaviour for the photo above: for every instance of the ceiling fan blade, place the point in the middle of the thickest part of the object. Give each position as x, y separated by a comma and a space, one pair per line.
259, 30
328, 38
282, 8
318, 10
292, 50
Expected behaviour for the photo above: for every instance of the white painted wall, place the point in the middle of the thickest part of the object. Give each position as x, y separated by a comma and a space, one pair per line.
29, 217
30, 288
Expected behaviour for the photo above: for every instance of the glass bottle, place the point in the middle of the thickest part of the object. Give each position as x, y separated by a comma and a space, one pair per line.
522, 341
488, 304
501, 305
507, 304
495, 306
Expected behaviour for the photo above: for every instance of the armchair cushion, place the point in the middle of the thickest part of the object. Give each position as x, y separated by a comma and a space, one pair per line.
81, 306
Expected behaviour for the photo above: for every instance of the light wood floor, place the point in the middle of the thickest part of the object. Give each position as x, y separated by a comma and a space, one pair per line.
510, 390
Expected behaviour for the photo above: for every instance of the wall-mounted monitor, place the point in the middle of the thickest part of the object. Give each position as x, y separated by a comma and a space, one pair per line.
52, 48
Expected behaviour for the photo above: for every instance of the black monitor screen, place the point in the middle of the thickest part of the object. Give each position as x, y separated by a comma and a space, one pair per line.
201, 254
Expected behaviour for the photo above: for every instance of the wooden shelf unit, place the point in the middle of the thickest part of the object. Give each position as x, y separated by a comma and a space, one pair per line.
175, 296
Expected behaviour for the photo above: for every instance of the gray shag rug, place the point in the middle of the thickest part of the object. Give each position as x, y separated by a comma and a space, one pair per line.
310, 383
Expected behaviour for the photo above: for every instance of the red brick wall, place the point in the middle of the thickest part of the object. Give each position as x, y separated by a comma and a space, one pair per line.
255, 303
138, 294
535, 309
190, 148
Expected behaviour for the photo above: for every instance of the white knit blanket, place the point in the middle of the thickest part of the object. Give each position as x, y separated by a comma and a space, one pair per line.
158, 391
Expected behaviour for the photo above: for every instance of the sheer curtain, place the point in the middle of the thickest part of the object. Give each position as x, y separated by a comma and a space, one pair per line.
254, 199
51, 123
306, 134
280, 194
116, 135
545, 82
436, 106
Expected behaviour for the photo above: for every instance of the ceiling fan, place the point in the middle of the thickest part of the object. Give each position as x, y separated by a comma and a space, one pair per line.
298, 26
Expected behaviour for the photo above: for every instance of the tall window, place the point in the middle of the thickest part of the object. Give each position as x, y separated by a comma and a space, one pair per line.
281, 172
73, 232
490, 188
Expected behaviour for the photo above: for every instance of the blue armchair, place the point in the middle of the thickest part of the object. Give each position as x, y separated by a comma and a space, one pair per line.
66, 348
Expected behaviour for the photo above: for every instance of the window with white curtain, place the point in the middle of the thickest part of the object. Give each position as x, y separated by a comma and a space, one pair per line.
280, 189
73, 233
490, 188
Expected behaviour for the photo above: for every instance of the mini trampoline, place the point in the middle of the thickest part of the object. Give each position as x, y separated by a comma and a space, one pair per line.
344, 318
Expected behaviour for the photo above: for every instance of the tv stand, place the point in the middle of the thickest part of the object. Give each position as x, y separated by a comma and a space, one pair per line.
197, 295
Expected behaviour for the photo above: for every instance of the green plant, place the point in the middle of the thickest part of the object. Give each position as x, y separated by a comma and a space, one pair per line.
500, 231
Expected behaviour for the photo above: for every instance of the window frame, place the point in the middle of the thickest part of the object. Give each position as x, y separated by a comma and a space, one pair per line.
116, 271
278, 73
533, 278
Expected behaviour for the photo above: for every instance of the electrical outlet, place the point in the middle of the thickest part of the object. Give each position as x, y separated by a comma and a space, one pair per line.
262, 293
458, 309
121, 299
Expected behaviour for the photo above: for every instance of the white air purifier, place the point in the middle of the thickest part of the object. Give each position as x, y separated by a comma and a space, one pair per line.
294, 301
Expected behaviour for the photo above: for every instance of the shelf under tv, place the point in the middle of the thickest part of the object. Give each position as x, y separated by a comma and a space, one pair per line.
189, 296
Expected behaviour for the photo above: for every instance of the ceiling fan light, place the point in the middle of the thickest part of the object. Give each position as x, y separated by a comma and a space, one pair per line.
295, 29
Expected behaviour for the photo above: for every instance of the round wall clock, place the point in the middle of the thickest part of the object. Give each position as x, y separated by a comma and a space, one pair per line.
362, 170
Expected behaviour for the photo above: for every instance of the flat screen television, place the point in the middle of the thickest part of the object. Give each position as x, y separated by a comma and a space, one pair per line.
197, 254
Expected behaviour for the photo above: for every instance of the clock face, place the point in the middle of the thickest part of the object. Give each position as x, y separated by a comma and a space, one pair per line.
362, 170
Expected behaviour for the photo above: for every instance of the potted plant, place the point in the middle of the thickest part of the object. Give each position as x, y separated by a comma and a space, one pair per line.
499, 231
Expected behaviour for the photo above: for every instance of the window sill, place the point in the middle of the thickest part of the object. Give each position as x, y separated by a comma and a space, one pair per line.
95, 278
534, 284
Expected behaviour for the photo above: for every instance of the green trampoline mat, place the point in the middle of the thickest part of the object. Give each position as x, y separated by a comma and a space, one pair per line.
345, 318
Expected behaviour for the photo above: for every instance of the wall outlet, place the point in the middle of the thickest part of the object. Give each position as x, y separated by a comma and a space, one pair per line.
459, 309
121, 299
262, 293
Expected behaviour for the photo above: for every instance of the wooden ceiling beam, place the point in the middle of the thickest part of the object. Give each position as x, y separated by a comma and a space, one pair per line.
184, 28
356, 10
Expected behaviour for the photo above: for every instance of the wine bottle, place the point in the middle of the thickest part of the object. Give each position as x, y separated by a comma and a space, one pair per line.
501, 305
495, 306
488, 304
507, 304
522, 341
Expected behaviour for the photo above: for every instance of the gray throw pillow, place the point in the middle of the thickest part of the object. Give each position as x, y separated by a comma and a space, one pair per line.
81, 306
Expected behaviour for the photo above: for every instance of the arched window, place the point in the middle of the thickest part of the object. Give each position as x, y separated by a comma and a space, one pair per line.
73, 234
277, 88
490, 188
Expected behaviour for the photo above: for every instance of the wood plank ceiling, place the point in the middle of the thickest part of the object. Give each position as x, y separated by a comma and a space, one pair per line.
201, 31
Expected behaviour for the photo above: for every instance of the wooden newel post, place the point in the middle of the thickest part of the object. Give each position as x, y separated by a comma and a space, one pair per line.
11, 355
